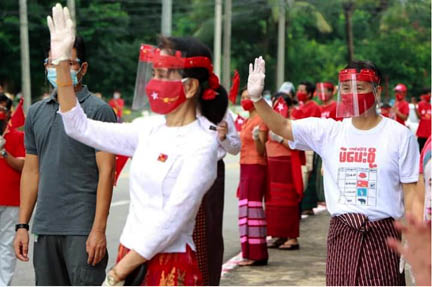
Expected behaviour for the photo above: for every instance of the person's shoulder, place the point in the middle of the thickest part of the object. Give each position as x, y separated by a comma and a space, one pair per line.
396, 128
38, 105
203, 137
95, 101
37, 108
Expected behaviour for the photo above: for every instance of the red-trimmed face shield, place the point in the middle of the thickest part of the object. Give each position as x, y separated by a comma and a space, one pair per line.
357, 92
159, 80
324, 91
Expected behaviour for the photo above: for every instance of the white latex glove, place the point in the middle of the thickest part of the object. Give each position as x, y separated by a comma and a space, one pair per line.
2, 142
255, 133
276, 137
62, 34
255, 83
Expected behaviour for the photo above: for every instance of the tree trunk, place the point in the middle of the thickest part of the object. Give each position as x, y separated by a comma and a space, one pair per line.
349, 7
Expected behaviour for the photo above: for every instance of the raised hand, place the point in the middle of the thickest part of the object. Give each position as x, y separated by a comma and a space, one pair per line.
255, 83
62, 34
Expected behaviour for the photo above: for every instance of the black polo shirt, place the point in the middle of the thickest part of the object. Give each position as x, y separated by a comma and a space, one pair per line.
68, 173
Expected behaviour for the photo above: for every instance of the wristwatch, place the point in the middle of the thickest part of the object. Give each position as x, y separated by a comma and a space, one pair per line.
4, 153
21, 225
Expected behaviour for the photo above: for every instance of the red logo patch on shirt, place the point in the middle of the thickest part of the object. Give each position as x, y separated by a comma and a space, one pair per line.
162, 157
362, 183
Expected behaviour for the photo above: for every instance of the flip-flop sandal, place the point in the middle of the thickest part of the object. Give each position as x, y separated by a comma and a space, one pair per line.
289, 247
276, 243
245, 263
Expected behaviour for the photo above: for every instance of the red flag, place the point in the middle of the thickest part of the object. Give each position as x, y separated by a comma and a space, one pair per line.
18, 118
120, 163
235, 87
281, 107
239, 121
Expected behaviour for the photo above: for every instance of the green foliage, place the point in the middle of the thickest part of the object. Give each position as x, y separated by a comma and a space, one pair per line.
394, 34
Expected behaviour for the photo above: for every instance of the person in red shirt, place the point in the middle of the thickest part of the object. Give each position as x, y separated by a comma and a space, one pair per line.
385, 110
308, 108
400, 109
117, 104
285, 185
325, 92
423, 112
12, 154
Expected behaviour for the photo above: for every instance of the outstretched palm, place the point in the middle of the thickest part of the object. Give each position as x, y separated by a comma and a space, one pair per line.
255, 83
62, 33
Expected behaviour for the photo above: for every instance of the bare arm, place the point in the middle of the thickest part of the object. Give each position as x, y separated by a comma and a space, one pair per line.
96, 243
29, 187
260, 143
16, 163
29, 194
402, 116
274, 121
413, 198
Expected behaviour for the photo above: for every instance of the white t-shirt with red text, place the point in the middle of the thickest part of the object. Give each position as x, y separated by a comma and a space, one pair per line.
363, 169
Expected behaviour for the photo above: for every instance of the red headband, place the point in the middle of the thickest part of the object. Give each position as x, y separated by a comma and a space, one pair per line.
364, 75
325, 85
152, 55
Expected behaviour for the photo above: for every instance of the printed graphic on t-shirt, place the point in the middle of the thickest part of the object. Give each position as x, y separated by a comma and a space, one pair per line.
325, 114
358, 184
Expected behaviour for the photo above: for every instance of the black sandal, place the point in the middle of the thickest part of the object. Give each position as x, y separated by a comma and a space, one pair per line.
276, 242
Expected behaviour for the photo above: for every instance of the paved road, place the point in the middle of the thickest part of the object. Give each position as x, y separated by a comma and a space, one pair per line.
24, 274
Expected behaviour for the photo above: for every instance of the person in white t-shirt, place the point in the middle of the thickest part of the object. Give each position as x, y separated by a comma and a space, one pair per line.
370, 173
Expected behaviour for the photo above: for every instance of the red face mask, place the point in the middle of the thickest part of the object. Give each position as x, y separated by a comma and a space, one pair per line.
324, 97
364, 101
247, 104
165, 96
399, 96
2, 116
302, 96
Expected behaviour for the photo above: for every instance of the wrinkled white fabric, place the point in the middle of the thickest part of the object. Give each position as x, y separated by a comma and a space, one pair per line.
171, 170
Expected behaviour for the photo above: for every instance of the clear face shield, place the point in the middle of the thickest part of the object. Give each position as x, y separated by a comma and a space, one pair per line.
324, 91
159, 81
357, 92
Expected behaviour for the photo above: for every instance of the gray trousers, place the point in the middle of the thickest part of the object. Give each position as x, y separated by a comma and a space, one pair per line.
62, 260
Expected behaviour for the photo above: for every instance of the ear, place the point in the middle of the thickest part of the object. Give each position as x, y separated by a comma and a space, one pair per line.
191, 86
83, 70
379, 90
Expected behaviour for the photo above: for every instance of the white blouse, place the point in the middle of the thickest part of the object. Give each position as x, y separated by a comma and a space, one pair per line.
231, 144
171, 170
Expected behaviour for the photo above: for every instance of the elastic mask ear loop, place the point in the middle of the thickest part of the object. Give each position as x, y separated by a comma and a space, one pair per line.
81, 78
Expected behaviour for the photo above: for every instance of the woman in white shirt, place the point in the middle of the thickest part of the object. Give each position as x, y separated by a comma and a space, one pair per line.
370, 172
173, 159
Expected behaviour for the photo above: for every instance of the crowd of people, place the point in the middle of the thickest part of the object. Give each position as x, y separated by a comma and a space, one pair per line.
336, 146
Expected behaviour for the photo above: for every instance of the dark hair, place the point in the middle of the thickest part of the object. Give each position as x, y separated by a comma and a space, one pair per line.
359, 65
310, 88
330, 89
79, 47
5, 99
215, 109
289, 101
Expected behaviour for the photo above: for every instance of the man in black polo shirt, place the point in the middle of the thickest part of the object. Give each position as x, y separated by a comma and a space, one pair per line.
72, 186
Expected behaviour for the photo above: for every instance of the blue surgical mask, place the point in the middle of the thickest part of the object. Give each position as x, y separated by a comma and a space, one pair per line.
52, 76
